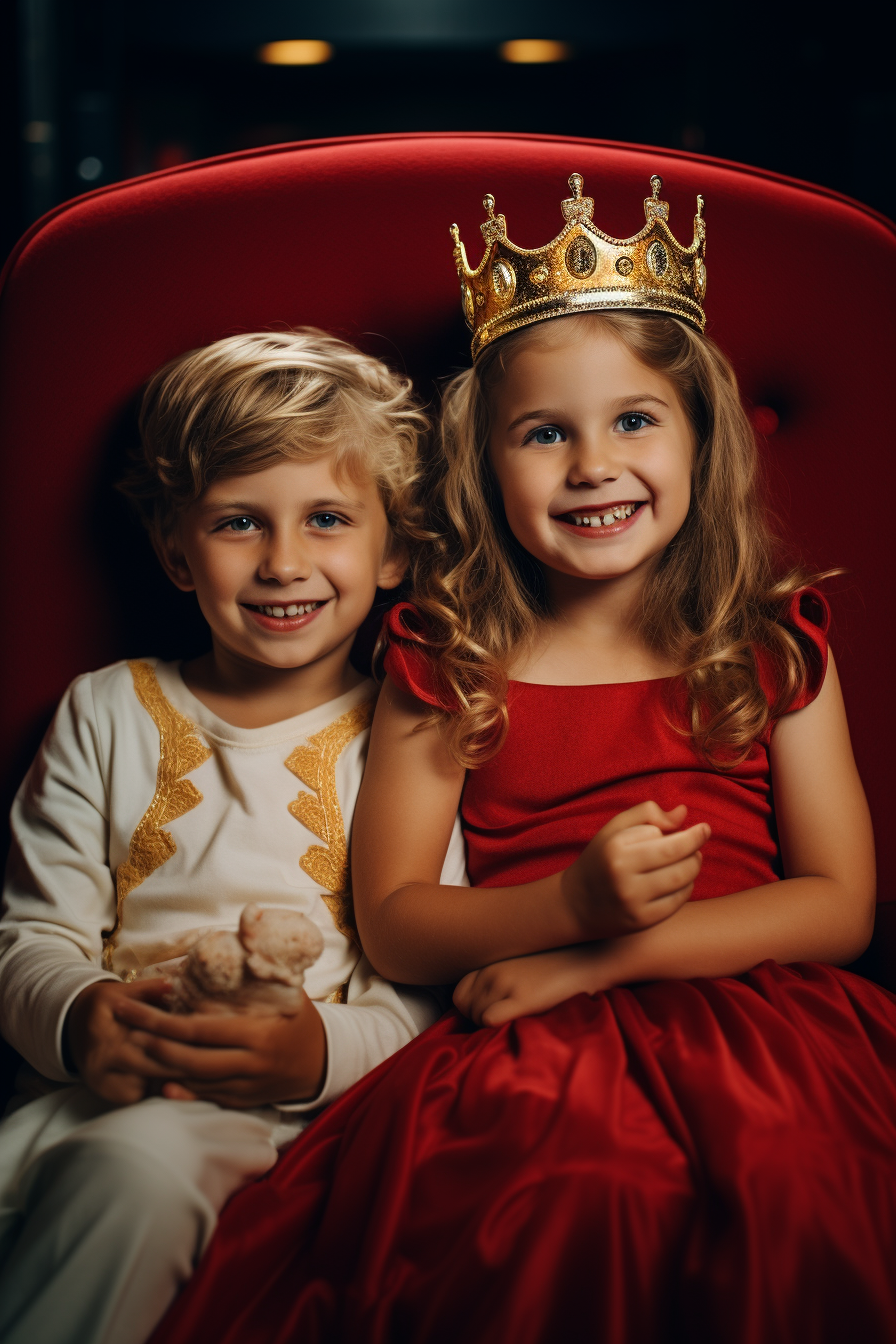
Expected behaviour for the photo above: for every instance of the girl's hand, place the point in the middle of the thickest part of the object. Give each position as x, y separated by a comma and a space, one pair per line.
526, 985
638, 870
236, 1060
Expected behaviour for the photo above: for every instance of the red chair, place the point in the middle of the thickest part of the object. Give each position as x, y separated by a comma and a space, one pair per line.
352, 235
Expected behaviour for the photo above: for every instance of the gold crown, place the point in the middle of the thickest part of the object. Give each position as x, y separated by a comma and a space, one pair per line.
581, 269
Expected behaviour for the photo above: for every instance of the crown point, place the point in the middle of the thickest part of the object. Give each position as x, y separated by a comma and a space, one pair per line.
455, 234
699, 207
488, 204
656, 183
576, 182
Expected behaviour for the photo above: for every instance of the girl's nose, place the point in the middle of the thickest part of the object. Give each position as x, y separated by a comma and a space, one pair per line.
285, 559
593, 462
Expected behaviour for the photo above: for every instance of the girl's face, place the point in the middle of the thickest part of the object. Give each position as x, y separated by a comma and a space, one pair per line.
285, 562
592, 451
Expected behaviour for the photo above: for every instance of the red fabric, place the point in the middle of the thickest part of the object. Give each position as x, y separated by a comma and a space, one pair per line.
600, 750
708, 1160
353, 235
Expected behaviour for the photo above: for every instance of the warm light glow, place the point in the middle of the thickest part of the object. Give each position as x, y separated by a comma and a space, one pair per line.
534, 51
300, 51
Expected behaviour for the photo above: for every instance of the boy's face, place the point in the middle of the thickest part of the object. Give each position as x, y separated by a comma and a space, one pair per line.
285, 561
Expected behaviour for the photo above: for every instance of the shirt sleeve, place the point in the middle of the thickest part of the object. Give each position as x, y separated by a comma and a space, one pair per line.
59, 894
379, 1017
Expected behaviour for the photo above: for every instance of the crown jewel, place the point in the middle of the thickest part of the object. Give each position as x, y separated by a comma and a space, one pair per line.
581, 269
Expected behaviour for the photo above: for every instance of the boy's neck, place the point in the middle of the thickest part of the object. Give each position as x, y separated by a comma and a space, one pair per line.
255, 695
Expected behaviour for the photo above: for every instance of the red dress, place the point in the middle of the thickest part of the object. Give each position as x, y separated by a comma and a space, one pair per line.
707, 1160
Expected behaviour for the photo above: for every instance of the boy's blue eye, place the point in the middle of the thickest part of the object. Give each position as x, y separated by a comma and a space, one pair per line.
630, 424
547, 435
324, 522
240, 524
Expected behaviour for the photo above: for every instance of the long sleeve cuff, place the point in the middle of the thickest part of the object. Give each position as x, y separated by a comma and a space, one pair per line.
361, 1037
39, 988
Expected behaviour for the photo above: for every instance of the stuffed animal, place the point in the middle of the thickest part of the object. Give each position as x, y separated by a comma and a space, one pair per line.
261, 969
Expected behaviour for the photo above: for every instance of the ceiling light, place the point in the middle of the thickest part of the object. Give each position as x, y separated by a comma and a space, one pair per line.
534, 51
300, 51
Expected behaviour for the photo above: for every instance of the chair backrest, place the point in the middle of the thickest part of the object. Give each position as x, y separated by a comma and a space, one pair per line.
352, 235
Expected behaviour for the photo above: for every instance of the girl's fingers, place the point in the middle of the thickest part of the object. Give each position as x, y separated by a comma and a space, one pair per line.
659, 853
664, 882
645, 814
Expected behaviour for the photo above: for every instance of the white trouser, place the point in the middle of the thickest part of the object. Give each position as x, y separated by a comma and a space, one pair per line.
104, 1211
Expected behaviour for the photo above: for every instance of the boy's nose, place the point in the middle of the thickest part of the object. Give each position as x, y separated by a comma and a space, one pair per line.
285, 559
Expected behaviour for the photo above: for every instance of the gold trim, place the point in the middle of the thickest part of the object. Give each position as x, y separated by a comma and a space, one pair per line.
315, 765
180, 751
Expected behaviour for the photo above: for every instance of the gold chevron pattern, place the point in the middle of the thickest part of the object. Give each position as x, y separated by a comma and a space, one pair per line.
180, 751
315, 765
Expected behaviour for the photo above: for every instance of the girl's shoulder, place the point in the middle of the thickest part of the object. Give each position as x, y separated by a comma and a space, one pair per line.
411, 661
806, 620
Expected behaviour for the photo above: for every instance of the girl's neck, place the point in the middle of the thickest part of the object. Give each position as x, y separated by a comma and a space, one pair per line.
592, 636
255, 695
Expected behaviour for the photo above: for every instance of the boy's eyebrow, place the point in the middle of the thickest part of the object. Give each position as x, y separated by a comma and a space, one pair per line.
242, 505
627, 400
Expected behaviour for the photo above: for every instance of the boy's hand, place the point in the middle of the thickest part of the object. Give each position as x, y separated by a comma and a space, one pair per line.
234, 1059
525, 985
639, 869
102, 1048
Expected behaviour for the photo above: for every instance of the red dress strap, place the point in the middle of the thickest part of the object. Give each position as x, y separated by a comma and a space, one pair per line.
808, 617
409, 659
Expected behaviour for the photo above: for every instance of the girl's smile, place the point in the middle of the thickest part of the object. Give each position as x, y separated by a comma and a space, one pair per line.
592, 451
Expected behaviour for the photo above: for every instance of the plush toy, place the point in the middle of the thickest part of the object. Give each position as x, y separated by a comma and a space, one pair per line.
259, 970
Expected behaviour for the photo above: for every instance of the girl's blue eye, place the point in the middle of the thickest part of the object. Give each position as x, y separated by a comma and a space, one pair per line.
547, 435
239, 524
324, 522
630, 424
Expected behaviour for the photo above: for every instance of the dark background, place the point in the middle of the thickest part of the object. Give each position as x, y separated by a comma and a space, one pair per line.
94, 91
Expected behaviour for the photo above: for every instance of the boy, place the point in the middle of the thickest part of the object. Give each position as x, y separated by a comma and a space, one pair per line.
275, 479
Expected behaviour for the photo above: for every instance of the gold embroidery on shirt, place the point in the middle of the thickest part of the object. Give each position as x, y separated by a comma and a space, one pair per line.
180, 751
339, 995
315, 765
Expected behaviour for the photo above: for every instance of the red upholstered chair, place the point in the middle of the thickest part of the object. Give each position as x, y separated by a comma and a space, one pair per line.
352, 235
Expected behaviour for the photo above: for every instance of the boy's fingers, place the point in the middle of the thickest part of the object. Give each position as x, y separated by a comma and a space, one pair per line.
191, 1062
226, 1029
174, 1092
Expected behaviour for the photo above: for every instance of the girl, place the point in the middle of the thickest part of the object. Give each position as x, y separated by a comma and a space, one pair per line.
636, 709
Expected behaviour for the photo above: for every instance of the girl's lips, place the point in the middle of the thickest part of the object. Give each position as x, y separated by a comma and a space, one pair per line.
282, 624
594, 533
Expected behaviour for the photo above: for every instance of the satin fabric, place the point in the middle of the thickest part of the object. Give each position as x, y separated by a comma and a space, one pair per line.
700, 1161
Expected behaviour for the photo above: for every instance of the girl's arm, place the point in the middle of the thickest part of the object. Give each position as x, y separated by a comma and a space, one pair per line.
640, 867
822, 911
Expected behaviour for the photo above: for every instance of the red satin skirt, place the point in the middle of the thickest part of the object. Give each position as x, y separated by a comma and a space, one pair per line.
709, 1160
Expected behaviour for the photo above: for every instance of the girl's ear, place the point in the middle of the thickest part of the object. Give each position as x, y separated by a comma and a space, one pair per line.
174, 562
394, 566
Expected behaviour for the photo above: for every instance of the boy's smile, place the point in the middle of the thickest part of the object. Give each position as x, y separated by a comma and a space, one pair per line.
285, 563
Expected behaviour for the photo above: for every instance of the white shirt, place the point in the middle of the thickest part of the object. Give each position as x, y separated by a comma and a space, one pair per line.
146, 817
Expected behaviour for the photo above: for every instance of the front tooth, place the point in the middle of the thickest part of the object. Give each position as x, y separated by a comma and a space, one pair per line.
618, 512
277, 611
608, 518
292, 610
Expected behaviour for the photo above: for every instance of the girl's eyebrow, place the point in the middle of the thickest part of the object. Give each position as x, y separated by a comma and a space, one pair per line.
627, 400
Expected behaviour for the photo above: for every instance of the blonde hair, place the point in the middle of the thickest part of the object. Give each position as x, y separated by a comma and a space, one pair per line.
716, 594
246, 402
